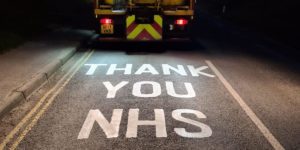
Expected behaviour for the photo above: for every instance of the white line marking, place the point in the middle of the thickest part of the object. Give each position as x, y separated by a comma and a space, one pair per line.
263, 129
48, 103
11, 135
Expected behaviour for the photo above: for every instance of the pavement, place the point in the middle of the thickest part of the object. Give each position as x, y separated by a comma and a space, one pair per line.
22, 66
221, 91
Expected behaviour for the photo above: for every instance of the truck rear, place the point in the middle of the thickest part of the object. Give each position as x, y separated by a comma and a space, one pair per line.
144, 20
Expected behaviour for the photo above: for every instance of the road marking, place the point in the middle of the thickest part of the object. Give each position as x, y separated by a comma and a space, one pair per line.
11, 135
149, 69
48, 103
263, 129
111, 128
33, 111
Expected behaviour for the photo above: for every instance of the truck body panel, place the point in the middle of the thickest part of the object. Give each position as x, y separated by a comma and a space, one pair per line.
144, 20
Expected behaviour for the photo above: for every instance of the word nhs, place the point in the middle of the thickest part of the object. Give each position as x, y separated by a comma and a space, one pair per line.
111, 128
165, 69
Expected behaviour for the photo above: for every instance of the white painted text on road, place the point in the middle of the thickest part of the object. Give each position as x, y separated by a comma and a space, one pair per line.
165, 69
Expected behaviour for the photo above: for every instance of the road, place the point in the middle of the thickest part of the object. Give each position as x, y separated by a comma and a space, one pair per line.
211, 95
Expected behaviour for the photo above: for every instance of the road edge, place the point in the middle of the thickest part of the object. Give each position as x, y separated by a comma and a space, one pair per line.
24, 91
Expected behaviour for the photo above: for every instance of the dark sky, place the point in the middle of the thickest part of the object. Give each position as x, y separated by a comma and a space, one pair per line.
272, 16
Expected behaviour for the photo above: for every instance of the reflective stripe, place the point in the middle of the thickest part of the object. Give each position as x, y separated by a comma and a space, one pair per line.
153, 32
158, 20
144, 35
130, 20
144, 31
138, 29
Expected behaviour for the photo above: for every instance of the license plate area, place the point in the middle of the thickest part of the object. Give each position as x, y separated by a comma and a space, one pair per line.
107, 29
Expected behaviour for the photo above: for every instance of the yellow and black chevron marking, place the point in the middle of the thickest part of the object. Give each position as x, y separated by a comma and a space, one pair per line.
144, 31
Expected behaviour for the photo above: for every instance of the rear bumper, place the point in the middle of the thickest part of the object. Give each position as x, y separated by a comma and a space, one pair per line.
167, 31
115, 39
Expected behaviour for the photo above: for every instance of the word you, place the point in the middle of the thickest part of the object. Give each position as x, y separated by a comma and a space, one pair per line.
156, 89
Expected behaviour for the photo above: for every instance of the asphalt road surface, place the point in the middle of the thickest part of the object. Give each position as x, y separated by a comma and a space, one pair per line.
211, 95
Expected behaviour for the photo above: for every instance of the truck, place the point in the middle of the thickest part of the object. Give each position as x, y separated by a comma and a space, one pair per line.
144, 20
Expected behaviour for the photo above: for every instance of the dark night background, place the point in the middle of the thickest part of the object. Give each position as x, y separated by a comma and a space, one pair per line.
21, 20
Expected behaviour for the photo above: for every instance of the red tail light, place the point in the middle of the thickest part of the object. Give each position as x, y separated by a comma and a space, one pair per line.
106, 21
181, 22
